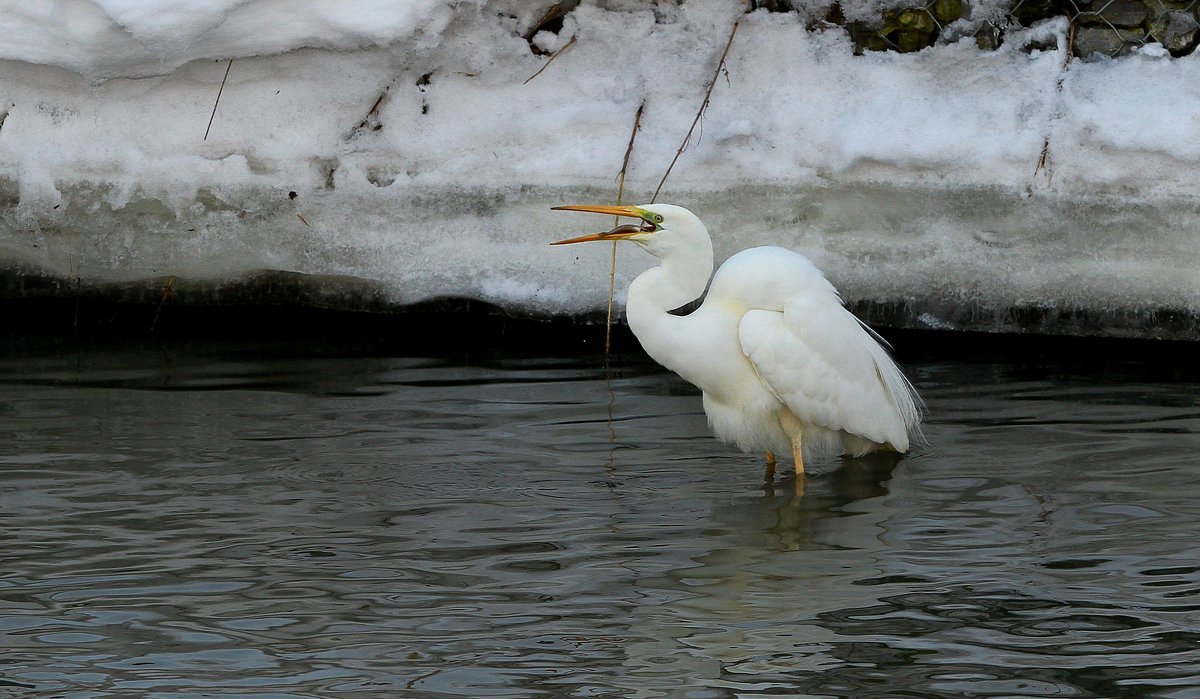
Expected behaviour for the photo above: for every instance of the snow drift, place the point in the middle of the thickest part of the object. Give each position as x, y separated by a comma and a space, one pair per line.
404, 148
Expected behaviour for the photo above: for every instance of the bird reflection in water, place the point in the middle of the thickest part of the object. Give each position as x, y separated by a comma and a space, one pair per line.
795, 519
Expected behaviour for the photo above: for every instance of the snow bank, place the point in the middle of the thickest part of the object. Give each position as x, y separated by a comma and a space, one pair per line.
405, 144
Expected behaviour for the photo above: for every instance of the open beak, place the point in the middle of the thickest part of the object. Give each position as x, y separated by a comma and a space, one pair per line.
618, 233
610, 210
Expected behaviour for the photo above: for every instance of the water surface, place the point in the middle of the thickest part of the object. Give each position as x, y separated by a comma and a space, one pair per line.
271, 522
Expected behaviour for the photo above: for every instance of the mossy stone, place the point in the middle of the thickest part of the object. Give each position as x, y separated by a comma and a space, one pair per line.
916, 20
1177, 31
1117, 13
947, 10
1030, 11
909, 40
989, 37
1106, 41
866, 38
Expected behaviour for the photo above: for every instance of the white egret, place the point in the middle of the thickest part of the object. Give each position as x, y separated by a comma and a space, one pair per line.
782, 364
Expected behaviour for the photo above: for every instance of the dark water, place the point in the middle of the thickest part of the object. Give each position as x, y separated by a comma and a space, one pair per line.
244, 522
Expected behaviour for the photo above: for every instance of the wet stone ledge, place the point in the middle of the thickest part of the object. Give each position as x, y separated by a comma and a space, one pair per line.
1098, 28
301, 304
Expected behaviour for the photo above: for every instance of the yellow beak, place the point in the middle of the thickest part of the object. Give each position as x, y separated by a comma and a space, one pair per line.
610, 210
618, 233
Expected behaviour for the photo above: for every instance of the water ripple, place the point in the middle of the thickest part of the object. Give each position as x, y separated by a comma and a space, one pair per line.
189, 526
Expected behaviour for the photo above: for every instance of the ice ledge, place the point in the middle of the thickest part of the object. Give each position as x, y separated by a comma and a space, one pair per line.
140, 303
379, 164
966, 259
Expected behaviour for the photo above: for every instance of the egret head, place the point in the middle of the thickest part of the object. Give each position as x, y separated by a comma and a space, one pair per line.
661, 228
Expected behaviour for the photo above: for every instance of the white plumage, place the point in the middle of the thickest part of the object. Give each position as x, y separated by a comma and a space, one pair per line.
783, 366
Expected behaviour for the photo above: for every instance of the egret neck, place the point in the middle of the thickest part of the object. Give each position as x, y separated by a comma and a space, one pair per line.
680, 279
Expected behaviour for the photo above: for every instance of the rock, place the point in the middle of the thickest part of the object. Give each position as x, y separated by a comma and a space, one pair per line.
1177, 31
989, 37
771, 5
866, 38
910, 40
1026, 12
903, 30
947, 11
1118, 13
916, 21
1106, 40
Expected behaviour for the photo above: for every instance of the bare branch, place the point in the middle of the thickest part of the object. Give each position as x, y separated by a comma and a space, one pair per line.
550, 60
699, 113
218, 100
612, 275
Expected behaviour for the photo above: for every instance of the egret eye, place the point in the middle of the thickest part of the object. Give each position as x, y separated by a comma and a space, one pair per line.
655, 218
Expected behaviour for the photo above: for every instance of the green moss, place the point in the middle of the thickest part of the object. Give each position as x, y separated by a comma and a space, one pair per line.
916, 21
947, 11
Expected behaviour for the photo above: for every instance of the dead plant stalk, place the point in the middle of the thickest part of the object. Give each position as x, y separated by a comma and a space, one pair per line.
218, 100
550, 60
699, 112
612, 274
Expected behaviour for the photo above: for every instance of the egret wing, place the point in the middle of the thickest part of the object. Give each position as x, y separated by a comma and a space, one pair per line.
828, 369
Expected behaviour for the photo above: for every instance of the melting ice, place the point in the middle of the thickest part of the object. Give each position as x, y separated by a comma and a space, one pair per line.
404, 147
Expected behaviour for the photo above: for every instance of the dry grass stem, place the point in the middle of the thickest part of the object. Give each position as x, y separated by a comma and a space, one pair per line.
699, 112
372, 113
612, 274
550, 60
78, 290
167, 294
218, 100
1044, 159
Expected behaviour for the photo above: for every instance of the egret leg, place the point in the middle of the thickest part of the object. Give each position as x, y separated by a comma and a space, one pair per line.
769, 474
798, 457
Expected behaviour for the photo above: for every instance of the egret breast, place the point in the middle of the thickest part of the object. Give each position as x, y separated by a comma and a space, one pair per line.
752, 422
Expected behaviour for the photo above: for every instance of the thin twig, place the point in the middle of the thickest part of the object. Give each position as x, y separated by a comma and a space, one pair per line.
167, 294
699, 113
218, 100
303, 220
1041, 163
612, 274
550, 60
374, 110
78, 291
